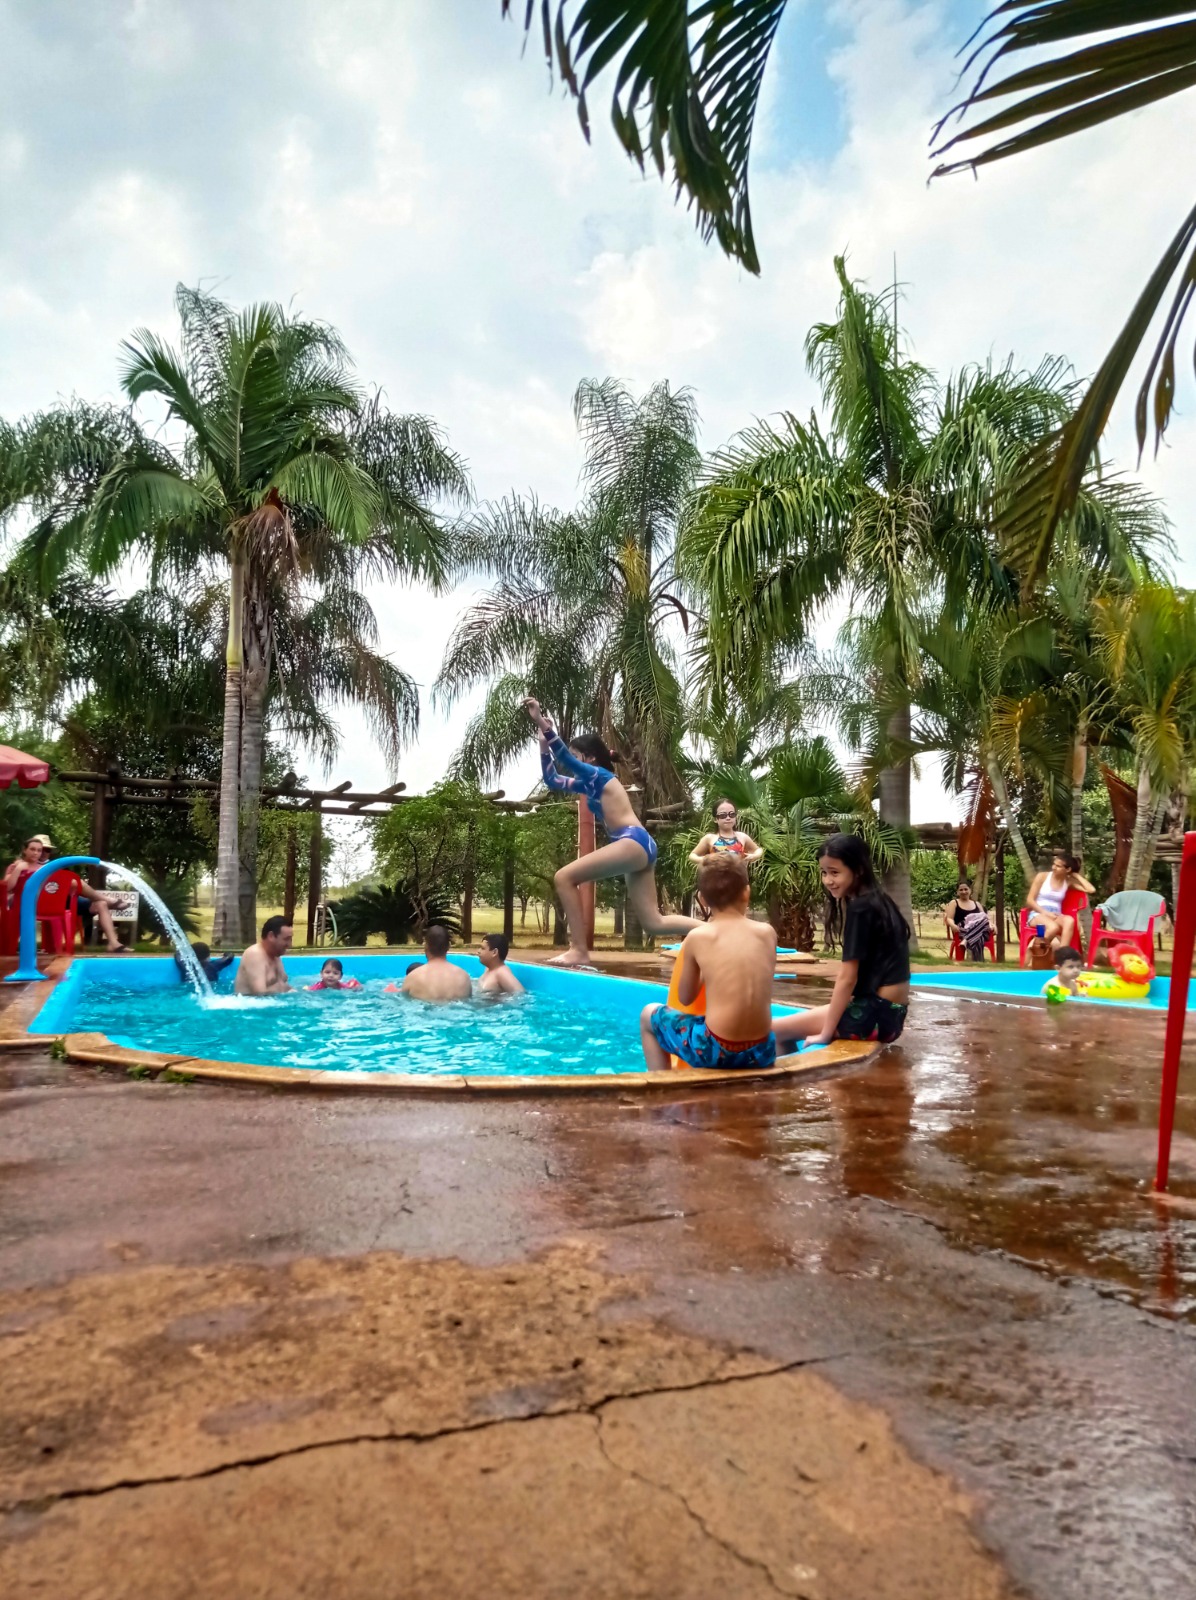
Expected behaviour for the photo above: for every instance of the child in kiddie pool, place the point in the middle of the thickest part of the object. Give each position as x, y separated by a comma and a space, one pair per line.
871, 993
332, 976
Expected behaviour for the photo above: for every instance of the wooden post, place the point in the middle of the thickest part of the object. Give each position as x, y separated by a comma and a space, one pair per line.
999, 909
288, 895
1177, 1005
314, 871
101, 829
508, 896
585, 847
467, 889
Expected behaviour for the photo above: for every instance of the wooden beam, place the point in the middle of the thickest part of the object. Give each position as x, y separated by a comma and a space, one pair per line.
383, 794
314, 871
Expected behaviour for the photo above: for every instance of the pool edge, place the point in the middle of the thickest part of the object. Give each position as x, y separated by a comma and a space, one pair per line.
97, 1050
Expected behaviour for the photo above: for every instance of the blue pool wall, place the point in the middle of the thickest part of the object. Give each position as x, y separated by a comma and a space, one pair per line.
979, 983
623, 995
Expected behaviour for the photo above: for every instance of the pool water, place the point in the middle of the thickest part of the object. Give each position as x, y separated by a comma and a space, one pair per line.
576, 1023
982, 982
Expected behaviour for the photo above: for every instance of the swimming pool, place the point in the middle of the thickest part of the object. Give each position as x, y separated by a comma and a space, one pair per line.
979, 982
568, 1023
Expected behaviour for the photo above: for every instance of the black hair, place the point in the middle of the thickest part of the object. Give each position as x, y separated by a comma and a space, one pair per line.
853, 852
1067, 952
436, 940
333, 961
275, 925
594, 750
1073, 862
201, 951
499, 942
725, 800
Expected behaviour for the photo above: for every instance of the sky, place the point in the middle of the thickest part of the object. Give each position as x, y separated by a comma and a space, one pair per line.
404, 170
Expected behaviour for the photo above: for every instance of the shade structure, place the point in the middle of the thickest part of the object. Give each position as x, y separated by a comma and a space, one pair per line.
27, 772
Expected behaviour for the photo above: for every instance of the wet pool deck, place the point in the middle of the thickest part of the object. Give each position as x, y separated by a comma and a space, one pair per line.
918, 1329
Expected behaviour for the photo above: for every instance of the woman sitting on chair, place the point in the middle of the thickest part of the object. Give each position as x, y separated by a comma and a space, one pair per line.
1047, 894
966, 916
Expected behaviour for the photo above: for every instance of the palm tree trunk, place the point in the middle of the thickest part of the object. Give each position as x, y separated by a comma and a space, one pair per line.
1079, 768
997, 778
226, 920
253, 738
1143, 829
894, 809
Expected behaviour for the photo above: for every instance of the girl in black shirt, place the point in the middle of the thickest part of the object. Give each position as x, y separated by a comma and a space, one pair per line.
871, 993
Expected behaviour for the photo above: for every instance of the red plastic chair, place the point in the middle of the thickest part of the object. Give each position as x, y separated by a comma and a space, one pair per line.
1074, 902
56, 911
1141, 938
959, 951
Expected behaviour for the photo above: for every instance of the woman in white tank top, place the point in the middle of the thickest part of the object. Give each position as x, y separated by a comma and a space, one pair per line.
1047, 894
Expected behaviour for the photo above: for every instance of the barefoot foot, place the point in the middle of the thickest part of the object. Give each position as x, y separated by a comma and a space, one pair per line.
571, 958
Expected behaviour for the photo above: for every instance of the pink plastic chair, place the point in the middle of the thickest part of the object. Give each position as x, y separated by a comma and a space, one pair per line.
1074, 902
959, 951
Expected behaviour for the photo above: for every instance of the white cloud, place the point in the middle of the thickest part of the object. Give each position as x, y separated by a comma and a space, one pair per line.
402, 172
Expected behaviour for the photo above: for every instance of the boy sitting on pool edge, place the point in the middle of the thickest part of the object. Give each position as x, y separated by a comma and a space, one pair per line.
735, 960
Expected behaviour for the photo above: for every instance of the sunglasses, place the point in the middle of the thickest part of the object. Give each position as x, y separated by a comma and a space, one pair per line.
722, 814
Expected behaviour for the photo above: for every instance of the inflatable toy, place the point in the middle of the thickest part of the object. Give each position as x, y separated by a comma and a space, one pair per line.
1129, 980
695, 1008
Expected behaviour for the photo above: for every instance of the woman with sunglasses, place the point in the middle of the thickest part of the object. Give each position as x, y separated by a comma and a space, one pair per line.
727, 838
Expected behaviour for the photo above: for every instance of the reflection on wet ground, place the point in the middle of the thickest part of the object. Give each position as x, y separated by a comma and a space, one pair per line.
960, 1231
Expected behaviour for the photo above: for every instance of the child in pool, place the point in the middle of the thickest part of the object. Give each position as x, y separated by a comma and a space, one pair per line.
498, 977
212, 965
332, 976
1065, 980
735, 959
871, 993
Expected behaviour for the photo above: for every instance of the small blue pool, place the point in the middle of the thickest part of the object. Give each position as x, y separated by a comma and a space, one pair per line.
567, 1023
979, 982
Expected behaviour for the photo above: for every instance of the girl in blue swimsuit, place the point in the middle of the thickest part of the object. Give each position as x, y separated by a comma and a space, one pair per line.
584, 768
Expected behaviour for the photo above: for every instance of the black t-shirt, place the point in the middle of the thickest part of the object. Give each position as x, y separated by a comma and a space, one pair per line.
874, 936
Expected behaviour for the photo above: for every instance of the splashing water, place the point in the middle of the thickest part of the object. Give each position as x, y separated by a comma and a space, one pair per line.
189, 961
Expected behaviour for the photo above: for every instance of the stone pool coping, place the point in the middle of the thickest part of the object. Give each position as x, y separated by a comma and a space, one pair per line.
97, 1050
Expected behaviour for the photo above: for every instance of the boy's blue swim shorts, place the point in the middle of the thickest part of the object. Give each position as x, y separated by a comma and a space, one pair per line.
679, 1033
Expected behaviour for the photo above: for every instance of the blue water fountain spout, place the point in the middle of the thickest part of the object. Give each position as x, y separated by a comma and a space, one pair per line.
27, 950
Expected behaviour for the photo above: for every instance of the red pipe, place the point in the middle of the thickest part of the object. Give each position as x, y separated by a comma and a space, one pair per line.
585, 846
1177, 1009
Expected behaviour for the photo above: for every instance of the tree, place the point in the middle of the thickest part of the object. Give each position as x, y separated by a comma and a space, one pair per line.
579, 611
1064, 91
274, 470
1148, 646
887, 508
400, 913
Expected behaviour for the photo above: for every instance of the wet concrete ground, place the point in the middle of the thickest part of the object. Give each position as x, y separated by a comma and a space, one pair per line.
958, 1236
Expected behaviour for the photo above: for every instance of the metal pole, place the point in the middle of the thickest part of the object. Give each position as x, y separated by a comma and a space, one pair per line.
1177, 1008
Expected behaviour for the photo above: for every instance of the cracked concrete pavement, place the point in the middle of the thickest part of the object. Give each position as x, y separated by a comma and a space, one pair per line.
913, 1331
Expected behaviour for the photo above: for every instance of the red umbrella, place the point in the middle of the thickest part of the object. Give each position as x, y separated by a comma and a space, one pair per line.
25, 771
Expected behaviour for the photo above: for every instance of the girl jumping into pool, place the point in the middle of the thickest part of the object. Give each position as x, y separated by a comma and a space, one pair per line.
871, 993
631, 850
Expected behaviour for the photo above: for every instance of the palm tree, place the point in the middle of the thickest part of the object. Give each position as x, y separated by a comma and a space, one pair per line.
686, 92
579, 612
886, 508
1148, 647
279, 472
1071, 85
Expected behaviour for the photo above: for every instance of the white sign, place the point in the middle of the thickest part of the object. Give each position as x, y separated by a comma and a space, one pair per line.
123, 904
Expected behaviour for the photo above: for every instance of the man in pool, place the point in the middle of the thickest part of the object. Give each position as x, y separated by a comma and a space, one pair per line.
437, 978
261, 970
735, 959
498, 977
